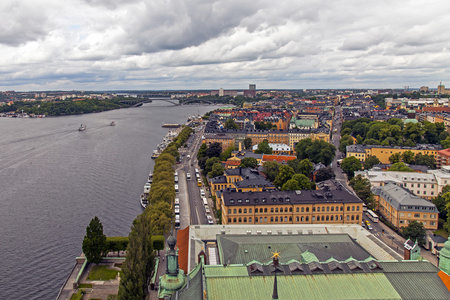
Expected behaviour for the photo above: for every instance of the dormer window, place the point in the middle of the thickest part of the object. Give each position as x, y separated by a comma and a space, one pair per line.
247, 200
239, 200
231, 200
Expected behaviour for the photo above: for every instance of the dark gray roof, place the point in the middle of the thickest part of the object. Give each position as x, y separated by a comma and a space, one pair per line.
274, 197
242, 249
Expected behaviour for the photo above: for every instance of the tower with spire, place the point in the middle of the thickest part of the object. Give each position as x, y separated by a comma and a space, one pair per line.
173, 280
275, 257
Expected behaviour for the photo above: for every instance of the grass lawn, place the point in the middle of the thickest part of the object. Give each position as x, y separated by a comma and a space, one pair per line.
85, 286
102, 273
442, 232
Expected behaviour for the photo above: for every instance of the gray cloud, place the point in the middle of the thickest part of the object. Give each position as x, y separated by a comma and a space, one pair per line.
100, 44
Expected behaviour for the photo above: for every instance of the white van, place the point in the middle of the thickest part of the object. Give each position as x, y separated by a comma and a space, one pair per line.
205, 201
177, 201
176, 188
202, 192
188, 176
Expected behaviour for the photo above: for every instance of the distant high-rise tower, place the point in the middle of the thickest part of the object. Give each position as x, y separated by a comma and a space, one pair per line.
251, 92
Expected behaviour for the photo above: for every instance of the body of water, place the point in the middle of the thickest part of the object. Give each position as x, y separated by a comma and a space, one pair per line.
54, 179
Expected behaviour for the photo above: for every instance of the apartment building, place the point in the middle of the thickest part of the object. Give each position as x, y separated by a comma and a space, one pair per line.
400, 207
291, 207
384, 152
224, 139
443, 158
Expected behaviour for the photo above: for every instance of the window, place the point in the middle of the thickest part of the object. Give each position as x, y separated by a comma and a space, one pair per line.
402, 214
296, 219
313, 209
313, 219
424, 216
229, 220
256, 210
271, 219
290, 209
265, 209
297, 209
245, 220
276, 219
307, 219
416, 215
285, 219
245, 210
401, 221
249, 210
234, 211
409, 215
229, 211
432, 216
323, 208
276, 209
234, 220
432, 223
348, 218
328, 208
328, 218
353, 218
290, 219
256, 220
332, 208
265, 219
240, 220
307, 209
357, 208
240, 210
271, 209
348, 208
357, 217
342, 208
331, 218
353, 208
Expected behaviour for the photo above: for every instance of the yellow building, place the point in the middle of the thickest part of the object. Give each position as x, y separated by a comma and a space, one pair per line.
291, 207
383, 153
296, 135
241, 179
400, 207
225, 140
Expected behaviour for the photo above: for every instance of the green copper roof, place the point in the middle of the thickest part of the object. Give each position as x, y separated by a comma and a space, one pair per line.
336, 286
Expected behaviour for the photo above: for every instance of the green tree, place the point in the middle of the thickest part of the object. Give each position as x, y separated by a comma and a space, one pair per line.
445, 143
324, 174
316, 151
202, 151
408, 157
370, 161
345, 141
285, 173
264, 148
139, 262
270, 169
210, 162
395, 158
362, 188
441, 202
425, 160
249, 162
227, 153
231, 124
305, 167
214, 150
303, 182
217, 170
414, 231
248, 143
400, 167
160, 216
290, 185
94, 242
350, 165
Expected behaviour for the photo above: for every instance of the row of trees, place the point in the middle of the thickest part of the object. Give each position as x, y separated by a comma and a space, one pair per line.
210, 158
63, 107
392, 133
156, 220
317, 151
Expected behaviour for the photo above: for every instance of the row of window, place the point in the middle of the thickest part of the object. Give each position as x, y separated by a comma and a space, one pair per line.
416, 215
289, 209
432, 223
288, 219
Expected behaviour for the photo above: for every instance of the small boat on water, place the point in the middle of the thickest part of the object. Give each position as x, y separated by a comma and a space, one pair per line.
155, 154
112, 123
150, 177
82, 127
147, 187
144, 201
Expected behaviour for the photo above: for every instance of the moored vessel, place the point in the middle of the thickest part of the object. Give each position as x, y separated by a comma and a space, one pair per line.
82, 127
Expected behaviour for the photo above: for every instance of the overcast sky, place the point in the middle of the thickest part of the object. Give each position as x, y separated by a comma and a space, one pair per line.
208, 44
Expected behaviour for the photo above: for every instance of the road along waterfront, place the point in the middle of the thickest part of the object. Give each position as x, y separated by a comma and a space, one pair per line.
54, 179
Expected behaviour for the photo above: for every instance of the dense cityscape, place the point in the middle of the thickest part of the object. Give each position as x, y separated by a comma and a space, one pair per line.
299, 184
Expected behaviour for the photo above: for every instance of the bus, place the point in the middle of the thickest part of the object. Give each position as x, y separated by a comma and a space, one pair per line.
364, 207
371, 215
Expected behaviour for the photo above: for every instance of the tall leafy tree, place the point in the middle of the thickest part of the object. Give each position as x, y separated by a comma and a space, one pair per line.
202, 151
317, 151
248, 143
425, 160
324, 174
227, 153
217, 170
370, 161
441, 202
94, 242
264, 148
210, 162
214, 150
362, 188
303, 182
139, 262
415, 230
407, 157
249, 162
231, 124
350, 165
304, 166
400, 167
395, 158
285, 173
270, 169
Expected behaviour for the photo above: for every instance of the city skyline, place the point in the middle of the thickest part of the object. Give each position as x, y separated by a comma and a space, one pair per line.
171, 45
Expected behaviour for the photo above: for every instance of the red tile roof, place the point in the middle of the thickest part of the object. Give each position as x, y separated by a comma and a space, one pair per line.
183, 248
445, 279
278, 158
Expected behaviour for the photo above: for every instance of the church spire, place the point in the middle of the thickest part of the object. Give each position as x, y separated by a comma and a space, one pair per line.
275, 257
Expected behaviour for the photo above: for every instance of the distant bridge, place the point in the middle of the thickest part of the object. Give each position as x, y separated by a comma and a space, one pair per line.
140, 101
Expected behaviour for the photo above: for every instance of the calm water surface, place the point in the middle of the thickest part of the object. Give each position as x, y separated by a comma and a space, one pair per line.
55, 179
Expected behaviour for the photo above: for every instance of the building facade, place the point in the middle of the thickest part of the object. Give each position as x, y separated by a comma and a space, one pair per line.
400, 207
291, 207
